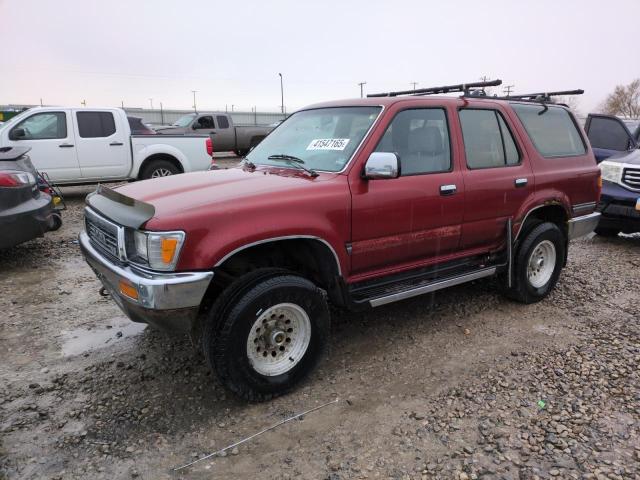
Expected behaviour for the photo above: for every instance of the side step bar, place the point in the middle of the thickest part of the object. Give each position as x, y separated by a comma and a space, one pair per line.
432, 287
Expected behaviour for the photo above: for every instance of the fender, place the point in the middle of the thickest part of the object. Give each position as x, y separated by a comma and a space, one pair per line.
141, 152
542, 198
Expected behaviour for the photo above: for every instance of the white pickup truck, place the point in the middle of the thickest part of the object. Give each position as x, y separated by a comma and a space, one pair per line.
89, 145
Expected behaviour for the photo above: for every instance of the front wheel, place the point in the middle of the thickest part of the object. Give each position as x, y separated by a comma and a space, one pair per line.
269, 338
537, 263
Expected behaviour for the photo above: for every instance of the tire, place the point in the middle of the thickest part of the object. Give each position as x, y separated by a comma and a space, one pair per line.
240, 153
158, 168
537, 264
297, 328
607, 232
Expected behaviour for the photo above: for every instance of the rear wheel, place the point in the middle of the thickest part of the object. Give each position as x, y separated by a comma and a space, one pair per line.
607, 232
269, 336
158, 168
537, 263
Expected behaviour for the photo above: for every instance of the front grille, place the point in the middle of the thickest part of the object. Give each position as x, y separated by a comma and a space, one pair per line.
631, 178
102, 233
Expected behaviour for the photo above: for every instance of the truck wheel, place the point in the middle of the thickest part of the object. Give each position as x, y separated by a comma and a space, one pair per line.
268, 337
537, 263
158, 168
607, 232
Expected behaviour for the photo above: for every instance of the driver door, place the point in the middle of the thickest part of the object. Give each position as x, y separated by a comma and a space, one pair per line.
50, 136
608, 135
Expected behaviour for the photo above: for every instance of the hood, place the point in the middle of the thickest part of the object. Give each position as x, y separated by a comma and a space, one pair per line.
632, 157
220, 190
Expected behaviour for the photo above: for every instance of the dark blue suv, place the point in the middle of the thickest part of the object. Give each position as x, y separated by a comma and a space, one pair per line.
616, 145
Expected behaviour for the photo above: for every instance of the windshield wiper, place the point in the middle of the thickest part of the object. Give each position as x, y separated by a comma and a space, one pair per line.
294, 161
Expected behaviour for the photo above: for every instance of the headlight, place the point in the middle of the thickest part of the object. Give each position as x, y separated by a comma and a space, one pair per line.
159, 250
612, 172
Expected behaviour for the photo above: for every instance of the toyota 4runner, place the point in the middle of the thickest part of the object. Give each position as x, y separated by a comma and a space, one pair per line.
355, 203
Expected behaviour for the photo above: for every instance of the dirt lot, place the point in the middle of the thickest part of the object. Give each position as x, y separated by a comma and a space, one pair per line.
461, 384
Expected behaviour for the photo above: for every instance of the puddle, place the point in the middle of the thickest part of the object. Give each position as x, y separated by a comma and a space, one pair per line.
82, 340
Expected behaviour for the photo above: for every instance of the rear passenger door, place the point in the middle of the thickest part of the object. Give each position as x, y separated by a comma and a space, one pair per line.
103, 145
497, 176
225, 135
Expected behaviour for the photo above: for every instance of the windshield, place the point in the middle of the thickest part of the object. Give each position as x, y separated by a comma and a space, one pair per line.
184, 121
325, 138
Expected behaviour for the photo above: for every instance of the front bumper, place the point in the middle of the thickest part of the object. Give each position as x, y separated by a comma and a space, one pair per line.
169, 301
29, 220
618, 208
583, 225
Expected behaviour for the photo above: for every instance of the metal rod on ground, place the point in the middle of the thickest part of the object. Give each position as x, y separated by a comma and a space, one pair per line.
256, 434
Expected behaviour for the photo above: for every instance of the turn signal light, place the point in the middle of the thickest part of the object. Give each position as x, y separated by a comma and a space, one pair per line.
128, 290
168, 249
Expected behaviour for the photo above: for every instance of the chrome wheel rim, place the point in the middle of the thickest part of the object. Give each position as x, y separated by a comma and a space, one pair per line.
542, 263
161, 172
278, 339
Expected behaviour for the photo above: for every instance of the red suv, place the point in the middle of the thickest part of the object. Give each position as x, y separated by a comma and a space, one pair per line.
356, 203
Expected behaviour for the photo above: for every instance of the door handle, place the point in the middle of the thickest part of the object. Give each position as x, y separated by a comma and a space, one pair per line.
448, 189
521, 182
66, 145
116, 144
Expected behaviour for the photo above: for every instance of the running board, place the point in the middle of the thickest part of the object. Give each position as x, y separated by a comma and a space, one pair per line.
432, 287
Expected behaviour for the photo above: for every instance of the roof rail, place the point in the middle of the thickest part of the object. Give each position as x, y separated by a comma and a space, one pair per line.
465, 88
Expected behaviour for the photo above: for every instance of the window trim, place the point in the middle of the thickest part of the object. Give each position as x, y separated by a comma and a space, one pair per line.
66, 126
571, 117
448, 123
513, 137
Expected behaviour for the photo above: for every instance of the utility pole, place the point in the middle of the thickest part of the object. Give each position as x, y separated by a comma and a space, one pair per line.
195, 109
361, 85
508, 89
161, 115
122, 103
414, 85
281, 94
232, 105
151, 103
40, 102
83, 103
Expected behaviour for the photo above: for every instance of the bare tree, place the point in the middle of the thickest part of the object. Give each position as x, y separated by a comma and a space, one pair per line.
624, 101
570, 101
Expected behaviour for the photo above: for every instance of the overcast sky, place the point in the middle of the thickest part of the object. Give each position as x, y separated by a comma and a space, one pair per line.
108, 52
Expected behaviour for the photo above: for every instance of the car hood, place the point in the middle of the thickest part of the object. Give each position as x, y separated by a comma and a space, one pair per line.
225, 191
632, 157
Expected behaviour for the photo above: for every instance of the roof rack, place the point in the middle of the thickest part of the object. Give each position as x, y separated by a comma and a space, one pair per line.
465, 88
542, 96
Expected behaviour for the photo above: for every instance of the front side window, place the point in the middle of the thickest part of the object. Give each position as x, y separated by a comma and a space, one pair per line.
551, 130
42, 126
223, 122
488, 143
420, 137
324, 138
95, 124
608, 133
184, 121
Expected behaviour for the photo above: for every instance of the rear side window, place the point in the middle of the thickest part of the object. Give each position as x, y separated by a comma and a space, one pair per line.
96, 124
488, 143
223, 122
43, 126
551, 130
608, 133
420, 137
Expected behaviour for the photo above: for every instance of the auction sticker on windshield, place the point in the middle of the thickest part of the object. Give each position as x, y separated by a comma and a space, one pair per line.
328, 144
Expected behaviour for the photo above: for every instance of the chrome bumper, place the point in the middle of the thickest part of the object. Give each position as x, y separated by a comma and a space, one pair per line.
583, 225
167, 300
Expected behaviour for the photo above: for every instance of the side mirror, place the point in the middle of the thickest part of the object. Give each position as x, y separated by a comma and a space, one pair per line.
382, 165
17, 134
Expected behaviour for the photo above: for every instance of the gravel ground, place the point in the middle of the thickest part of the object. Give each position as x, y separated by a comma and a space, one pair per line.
461, 384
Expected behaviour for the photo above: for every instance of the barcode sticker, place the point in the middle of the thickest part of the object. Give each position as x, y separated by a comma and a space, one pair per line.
328, 144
